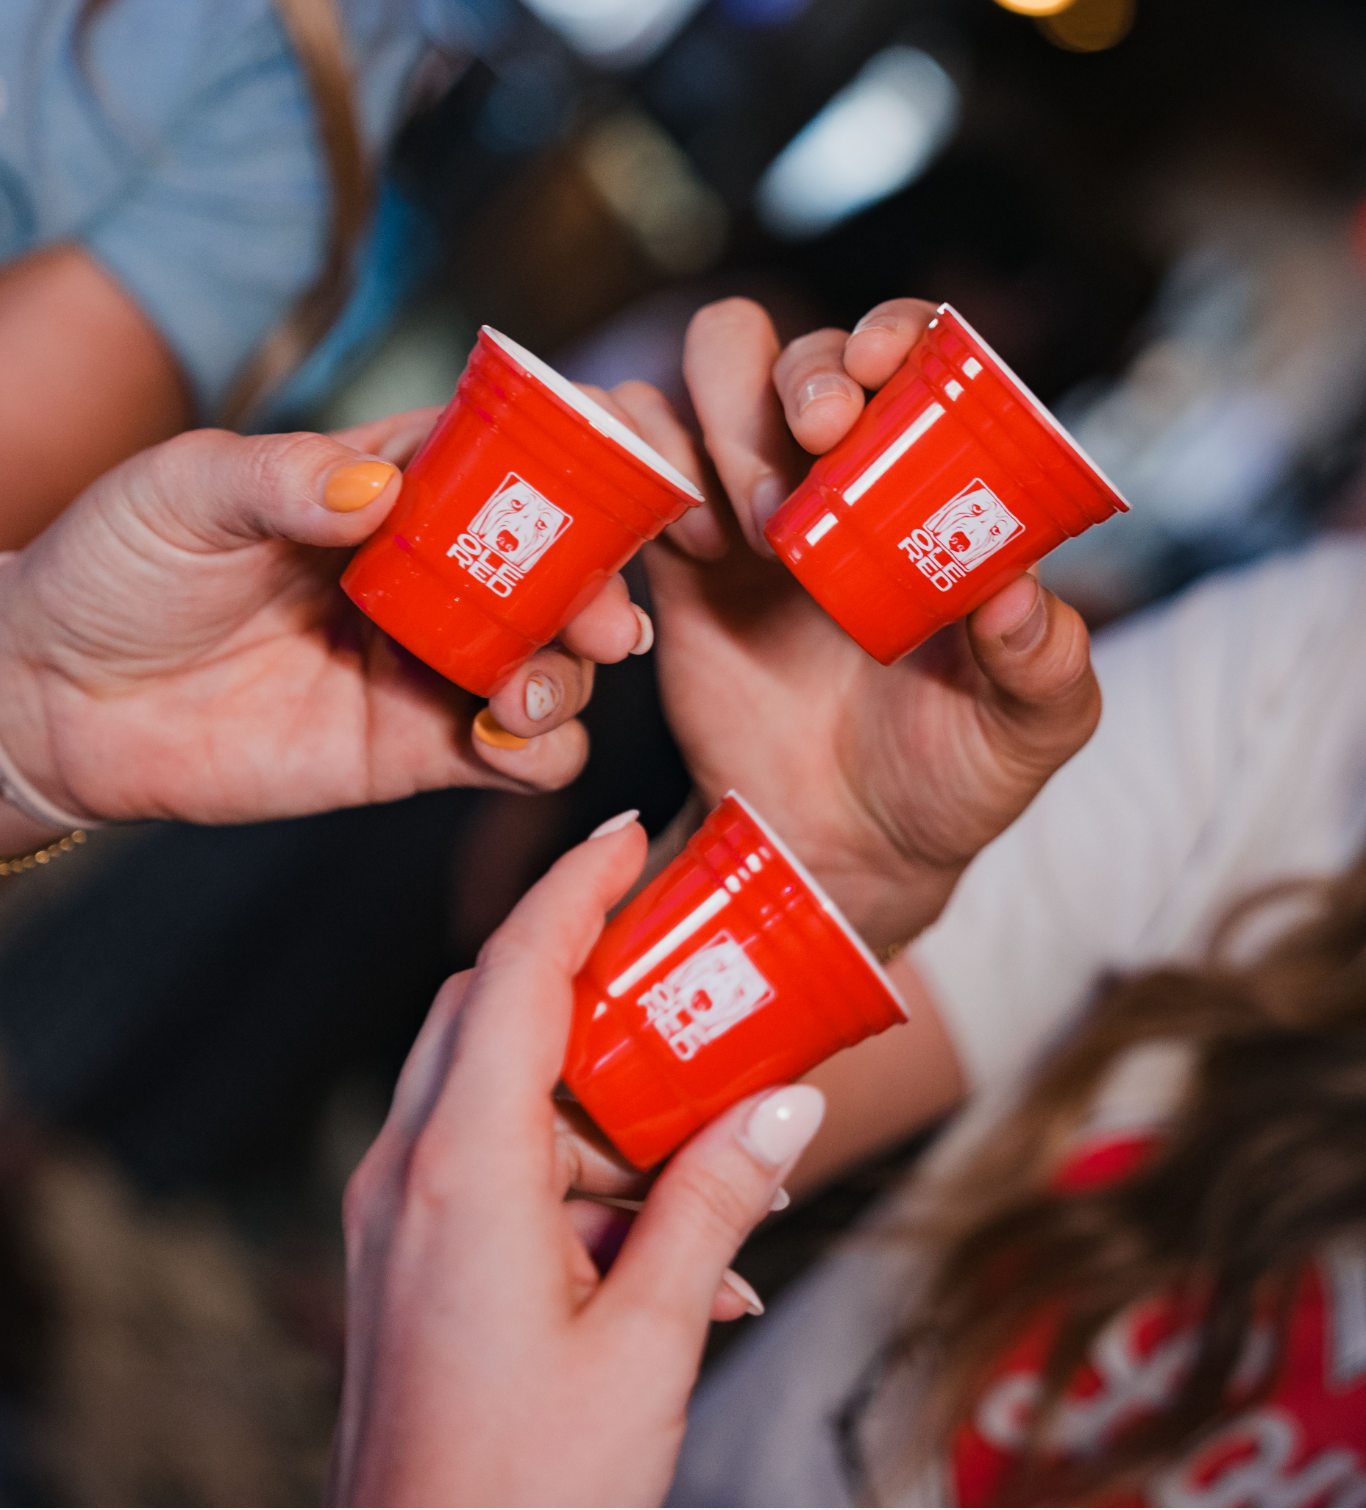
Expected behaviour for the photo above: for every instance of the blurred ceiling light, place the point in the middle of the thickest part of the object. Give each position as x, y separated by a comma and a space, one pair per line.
874, 137
1089, 25
653, 188
616, 33
1036, 7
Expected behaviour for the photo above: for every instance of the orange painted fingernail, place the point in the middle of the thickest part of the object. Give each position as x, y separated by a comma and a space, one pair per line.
352, 487
489, 731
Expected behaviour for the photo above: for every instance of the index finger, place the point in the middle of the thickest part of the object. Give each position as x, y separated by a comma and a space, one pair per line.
882, 339
820, 377
395, 438
728, 359
516, 1012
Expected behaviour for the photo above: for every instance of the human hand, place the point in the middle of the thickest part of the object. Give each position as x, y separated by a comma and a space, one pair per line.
885, 780
176, 644
488, 1360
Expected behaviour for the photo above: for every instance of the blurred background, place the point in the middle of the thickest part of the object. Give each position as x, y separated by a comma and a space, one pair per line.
1154, 209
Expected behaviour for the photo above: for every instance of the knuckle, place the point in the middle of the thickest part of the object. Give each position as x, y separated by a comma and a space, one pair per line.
281, 464
716, 1203
430, 1175
817, 345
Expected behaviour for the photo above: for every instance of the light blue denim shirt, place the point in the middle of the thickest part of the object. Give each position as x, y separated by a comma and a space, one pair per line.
180, 149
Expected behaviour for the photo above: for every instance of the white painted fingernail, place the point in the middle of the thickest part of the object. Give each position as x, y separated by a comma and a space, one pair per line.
782, 1200
646, 637
744, 1290
542, 698
615, 825
783, 1124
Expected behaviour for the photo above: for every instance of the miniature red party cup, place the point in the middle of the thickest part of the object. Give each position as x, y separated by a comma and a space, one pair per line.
525, 499
953, 481
732, 970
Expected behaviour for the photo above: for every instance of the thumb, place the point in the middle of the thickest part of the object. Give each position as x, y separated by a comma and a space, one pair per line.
705, 1204
213, 490
1036, 652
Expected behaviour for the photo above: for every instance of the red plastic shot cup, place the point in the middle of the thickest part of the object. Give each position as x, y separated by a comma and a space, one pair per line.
524, 500
731, 971
953, 481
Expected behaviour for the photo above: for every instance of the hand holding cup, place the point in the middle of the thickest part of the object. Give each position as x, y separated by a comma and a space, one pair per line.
490, 1359
885, 780
176, 645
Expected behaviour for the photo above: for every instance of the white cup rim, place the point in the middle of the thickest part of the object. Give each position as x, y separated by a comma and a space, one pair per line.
605, 424
1032, 399
827, 906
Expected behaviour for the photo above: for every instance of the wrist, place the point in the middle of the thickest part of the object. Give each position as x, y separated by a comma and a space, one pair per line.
34, 800
887, 905
22, 835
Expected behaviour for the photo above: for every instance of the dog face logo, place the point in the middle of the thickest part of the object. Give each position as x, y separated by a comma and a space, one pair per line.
509, 535
973, 526
968, 529
705, 996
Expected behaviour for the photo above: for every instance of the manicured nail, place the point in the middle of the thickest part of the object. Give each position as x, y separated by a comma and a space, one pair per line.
783, 1124
646, 637
542, 698
352, 487
615, 825
744, 1290
487, 730
782, 1200
1031, 628
874, 321
768, 494
823, 385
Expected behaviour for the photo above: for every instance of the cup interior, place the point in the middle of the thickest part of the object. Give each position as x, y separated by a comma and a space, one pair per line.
604, 423
827, 906
1030, 397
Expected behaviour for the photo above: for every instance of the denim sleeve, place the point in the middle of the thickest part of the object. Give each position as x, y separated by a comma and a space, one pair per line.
224, 226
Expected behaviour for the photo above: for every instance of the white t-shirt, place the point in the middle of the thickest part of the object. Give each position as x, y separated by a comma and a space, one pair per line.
1231, 753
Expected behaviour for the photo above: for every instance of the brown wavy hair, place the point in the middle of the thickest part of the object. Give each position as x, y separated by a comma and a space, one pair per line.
316, 34
1262, 1162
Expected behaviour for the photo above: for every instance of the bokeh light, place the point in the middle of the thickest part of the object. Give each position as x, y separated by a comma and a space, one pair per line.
1036, 7
874, 137
617, 33
1089, 25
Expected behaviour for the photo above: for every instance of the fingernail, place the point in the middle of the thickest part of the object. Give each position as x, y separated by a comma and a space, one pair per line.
646, 637
745, 1291
873, 321
1031, 629
615, 825
782, 1200
487, 730
351, 487
823, 385
783, 1124
764, 501
542, 698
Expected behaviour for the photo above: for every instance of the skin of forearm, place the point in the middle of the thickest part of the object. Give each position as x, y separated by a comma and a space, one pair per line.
883, 1090
86, 381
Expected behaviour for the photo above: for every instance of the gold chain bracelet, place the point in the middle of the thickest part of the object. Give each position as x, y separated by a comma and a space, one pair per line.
61, 846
